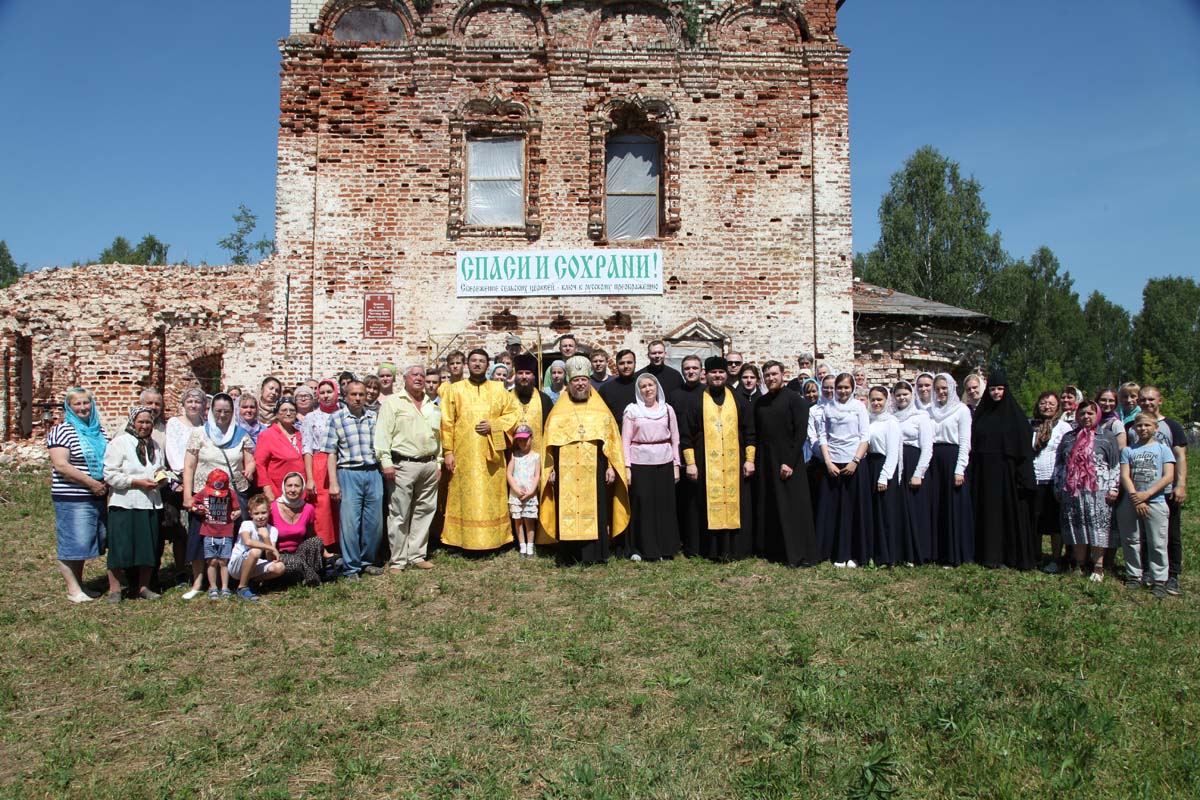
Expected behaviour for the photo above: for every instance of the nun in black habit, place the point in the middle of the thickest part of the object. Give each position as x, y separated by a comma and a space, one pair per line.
1002, 480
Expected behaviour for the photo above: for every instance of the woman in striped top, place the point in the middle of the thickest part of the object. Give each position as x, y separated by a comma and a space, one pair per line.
77, 489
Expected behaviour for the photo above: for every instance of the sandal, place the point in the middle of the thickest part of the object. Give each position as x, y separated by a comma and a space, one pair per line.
213, 594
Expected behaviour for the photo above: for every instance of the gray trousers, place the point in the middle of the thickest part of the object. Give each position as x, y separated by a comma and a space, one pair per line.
411, 512
1152, 528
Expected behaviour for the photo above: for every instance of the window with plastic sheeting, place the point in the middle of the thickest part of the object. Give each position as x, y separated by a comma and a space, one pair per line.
496, 181
369, 25
631, 186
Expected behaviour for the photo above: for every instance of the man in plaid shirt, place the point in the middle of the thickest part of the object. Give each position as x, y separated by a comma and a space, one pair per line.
354, 478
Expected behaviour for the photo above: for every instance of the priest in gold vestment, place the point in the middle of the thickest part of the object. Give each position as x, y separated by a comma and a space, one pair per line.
533, 407
477, 415
716, 440
585, 501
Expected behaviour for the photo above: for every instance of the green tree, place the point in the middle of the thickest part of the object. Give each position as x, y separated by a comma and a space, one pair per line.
10, 270
1106, 354
150, 250
934, 240
238, 244
1168, 331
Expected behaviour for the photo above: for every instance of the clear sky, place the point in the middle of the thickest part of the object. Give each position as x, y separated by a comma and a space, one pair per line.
1081, 120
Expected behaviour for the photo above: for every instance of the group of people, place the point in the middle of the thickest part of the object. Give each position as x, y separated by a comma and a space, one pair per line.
721, 459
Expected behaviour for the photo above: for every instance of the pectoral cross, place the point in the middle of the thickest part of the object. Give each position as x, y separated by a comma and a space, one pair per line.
581, 431
718, 424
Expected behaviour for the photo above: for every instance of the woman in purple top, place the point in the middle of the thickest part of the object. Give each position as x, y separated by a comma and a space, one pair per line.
650, 435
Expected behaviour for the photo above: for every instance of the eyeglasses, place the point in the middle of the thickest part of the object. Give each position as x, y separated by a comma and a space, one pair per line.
734, 363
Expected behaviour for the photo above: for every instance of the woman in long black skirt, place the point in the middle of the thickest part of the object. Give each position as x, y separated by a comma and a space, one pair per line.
954, 523
844, 508
883, 461
650, 436
815, 394
916, 455
1002, 480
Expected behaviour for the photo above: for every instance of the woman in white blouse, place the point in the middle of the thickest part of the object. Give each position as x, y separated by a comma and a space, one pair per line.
1048, 429
954, 528
916, 454
175, 518
883, 460
133, 466
844, 507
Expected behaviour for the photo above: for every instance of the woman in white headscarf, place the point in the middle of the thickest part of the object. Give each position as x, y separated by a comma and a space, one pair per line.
883, 462
954, 529
844, 507
923, 391
916, 441
555, 382
650, 440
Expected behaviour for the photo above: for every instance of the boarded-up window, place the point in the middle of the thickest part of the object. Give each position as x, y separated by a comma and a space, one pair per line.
369, 25
632, 168
496, 181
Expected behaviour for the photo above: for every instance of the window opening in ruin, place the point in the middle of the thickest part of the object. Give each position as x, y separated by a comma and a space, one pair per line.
24, 393
496, 181
633, 165
369, 25
207, 370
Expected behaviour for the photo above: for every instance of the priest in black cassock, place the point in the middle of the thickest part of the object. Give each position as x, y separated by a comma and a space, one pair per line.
687, 496
717, 440
783, 518
621, 390
668, 377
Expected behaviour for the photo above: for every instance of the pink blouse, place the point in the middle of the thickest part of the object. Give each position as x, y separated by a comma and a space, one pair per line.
650, 441
292, 534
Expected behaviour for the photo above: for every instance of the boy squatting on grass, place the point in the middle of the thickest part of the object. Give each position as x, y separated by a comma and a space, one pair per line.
255, 555
1147, 472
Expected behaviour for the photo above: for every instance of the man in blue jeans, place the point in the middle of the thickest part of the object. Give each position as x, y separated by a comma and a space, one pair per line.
355, 479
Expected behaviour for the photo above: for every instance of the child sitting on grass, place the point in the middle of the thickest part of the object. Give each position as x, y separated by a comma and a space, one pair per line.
255, 556
524, 478
1147, 472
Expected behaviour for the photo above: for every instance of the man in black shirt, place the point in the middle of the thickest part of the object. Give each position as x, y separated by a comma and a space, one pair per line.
668, 377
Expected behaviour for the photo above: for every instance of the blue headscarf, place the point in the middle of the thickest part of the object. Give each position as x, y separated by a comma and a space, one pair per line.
231, 436
90, 434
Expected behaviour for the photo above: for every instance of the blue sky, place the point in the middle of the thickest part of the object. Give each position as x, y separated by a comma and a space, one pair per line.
1081, 120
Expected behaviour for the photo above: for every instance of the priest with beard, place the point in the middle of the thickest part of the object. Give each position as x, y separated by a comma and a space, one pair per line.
687, 497
533, 405
668, 377
585, 499
717, 440
621, 390
783, 518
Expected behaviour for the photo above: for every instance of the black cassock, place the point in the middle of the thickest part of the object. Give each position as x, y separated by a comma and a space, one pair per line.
668, 377
618, 393
717, 544
783, 518
687, 498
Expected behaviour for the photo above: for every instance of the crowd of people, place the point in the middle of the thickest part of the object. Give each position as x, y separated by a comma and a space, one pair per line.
592, 458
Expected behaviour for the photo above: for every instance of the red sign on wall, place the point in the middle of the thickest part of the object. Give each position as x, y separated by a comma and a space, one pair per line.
378, 322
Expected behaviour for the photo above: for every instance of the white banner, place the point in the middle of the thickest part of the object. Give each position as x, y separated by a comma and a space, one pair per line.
522, 273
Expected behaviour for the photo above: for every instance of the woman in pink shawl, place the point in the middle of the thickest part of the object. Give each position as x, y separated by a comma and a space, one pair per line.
1086, 477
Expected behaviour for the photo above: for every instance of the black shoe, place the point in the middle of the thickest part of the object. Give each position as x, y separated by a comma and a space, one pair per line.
1159, 590
1133, 583
371, 569
1173, 586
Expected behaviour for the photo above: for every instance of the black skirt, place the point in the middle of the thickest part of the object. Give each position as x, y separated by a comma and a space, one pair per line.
954, 524
1043, 511
843, 517
654, 531
887, 515
1001, 513
915, 541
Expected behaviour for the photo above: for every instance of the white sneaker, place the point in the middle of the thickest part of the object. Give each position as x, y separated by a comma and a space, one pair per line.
840, 564
82, 597
635, 557
1096, 577
192, 594
851, 564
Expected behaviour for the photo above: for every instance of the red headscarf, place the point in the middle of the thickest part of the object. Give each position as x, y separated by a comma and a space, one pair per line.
333, 406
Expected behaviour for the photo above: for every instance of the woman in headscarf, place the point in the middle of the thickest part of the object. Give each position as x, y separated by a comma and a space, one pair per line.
1048, 430
306, 401
299, 549
1002, 481
179, 428
268, 396
844, 508
973, 388
312, 440
133, 467
1086, 476
279, 450
219, 444
245, 415
953, 542
916, 440
650, 440
498, 372
175, 526
77, 489
556, 379
816, 426
883, 462
923, 398
387, 378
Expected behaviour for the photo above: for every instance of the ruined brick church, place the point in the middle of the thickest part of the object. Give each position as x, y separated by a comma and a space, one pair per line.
419, 135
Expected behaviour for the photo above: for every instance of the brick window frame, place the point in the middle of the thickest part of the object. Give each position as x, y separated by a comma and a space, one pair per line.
654, 118
494, 117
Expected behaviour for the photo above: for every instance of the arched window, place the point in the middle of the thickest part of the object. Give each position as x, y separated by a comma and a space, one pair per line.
365, 24
632, 186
